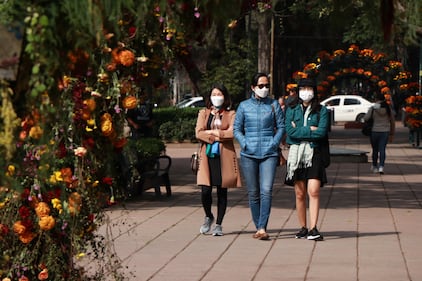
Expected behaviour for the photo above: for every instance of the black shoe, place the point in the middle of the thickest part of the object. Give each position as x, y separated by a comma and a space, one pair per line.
315, 235
302, 233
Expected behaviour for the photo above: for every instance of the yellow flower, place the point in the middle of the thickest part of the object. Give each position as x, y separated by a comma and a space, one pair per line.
10, 170
91, 122
57, 204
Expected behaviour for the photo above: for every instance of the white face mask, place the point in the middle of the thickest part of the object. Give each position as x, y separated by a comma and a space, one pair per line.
306, 95
217, 101
262, 93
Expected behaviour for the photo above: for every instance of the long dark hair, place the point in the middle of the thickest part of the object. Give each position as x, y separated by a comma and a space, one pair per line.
227, 100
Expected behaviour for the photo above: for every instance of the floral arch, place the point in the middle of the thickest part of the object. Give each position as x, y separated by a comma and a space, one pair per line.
359, 72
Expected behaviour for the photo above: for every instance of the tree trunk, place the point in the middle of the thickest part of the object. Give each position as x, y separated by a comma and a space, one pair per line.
264, 40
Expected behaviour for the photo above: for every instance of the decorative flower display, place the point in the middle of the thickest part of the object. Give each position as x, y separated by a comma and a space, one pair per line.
66, 169
413, 111
372, 69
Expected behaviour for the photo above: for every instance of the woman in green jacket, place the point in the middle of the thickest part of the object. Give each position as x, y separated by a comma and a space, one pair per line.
306, 124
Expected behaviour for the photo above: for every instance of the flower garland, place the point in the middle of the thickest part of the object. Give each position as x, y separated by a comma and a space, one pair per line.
386, 75
413, 111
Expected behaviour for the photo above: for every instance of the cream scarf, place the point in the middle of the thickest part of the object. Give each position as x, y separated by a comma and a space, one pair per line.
300, 155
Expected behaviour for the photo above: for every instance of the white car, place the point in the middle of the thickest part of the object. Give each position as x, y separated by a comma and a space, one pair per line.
347, 107
191, 102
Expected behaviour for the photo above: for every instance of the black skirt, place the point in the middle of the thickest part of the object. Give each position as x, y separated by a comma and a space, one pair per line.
215, 171
316, 171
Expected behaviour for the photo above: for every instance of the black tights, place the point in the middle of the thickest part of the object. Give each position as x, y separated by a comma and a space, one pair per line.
206, 198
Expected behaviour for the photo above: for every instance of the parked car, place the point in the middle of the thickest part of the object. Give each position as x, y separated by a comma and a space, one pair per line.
191, 102
347, 107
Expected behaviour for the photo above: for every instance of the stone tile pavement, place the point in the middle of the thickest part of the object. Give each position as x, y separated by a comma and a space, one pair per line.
371, 224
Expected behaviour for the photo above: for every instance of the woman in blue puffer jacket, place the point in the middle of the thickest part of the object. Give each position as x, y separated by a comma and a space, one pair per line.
258, 127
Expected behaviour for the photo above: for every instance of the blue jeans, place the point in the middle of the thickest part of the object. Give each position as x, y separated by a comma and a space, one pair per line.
259, 176
379, 142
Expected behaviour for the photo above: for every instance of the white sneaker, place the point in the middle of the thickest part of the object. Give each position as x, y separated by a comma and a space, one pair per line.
374, 169
381, 170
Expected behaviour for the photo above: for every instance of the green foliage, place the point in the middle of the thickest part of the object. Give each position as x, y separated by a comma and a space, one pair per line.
177, 124
233, 66
147, 148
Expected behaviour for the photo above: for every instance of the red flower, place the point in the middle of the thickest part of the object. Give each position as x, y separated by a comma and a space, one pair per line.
24, 212
61, 151
88, 143
132, 31
25, 194
108, 180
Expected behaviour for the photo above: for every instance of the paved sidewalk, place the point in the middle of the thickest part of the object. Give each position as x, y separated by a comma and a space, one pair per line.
371, 224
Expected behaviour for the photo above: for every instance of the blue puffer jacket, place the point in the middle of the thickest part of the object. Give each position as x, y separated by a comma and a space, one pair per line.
254, 127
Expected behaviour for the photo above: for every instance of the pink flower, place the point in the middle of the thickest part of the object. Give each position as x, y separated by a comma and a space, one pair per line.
80, 151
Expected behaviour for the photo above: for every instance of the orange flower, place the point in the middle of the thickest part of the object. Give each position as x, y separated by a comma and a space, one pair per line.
42, 209
367, 73
382, 83
67, 175
367, 52
360, 71
331, 78
299, 75
19, 228
107, 128
46, 222
338, 53
385, 90
35, 132
27, 237
43, 275
23, 278
290, 87
353, 48
129, 102
90, 104
127, 57
403, 87
75, 203
106, 116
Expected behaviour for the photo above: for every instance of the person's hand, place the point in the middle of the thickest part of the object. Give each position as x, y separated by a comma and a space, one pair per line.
314, 128
293, 124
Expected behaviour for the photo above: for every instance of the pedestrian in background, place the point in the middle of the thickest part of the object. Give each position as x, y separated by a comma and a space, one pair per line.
306, 124
218, 164
258, 127
382, 131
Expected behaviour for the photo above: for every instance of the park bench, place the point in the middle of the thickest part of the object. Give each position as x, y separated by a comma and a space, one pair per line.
157, 176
